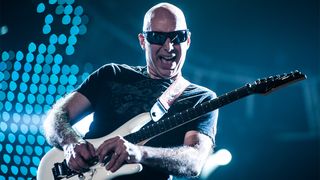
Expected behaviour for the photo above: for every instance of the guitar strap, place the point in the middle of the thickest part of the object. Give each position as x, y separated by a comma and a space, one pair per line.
164, 102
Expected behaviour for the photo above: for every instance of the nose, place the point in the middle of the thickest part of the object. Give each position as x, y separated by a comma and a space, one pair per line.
168, 45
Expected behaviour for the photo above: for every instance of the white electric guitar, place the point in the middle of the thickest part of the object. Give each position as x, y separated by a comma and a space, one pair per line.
53, 166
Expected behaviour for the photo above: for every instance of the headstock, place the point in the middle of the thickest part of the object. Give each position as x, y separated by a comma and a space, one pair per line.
267, 85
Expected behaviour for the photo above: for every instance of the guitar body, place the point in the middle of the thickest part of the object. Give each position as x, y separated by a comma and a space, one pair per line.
97, 172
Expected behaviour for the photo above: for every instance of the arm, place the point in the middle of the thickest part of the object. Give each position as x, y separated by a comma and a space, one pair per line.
186, 160
58, 130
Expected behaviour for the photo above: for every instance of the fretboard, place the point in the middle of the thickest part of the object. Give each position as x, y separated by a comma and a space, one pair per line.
178, 119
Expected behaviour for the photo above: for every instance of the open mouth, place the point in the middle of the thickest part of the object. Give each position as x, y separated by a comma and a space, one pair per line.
168, 58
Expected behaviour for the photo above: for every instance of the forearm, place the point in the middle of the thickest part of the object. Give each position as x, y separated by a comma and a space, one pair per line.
57, 128
179, 161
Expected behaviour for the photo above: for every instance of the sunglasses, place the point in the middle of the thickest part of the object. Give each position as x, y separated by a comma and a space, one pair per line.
159, 38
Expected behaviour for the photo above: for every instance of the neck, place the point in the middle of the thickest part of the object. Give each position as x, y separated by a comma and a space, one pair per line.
154, 75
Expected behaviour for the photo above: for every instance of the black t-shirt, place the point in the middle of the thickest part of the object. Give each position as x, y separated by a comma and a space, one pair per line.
120, 92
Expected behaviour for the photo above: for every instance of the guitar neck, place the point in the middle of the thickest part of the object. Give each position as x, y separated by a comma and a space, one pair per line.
178, 119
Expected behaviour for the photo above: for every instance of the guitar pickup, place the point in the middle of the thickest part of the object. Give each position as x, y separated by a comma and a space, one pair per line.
61, 170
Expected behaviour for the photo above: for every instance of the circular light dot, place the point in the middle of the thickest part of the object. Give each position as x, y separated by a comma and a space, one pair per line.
23, 170
10, 96
19, 107
69, 50
32, 47
40, 58
53, 39
41, 140
68, 10
26, 160
61, 89
2, 95
65, 69
19, 149
49, 58
11, 138
3, 66
35, 160
29, 149
58, 59
1, 76
46, 69
61, 1
38, 109
13, 85
2, 137
42, 89
51, 49
40, 8
31, 139
49, 99
85, 19
23, 87
37, 68
17, 66
44, 78
55, 69
74, 69
8, 106
33, 88
5, 55
27, 67
33, 170
9, 148
38, 150
69, 1
69, 88
26, 119
19, 56
6, 158
72, 80
52, 89
3, 126
13, 127
17, 159
52, 1
76, 20
25, 77
66, 19
23, 128
62, 39
48, 19
28, 109
59, 10
46, 29
40, 99
72, 40
42, 48
0, 147
78, 10
4, 168
29, 57
15, 75
31, 98
63, 79
21, 139
16, 117
35, 119
14, 170
82, 29
53, 79
74, 30
33, 130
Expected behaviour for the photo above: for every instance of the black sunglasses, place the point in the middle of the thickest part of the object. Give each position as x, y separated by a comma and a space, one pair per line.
176, 37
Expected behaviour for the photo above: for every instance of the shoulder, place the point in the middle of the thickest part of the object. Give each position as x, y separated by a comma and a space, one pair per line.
198, 90
114, 70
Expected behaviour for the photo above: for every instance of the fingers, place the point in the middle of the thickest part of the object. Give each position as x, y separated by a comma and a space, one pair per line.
106, 148
79, 155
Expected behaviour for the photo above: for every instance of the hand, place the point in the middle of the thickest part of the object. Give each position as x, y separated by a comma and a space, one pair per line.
120, 150
78, 155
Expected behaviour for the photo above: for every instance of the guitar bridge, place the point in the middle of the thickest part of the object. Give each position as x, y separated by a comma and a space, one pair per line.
61, 170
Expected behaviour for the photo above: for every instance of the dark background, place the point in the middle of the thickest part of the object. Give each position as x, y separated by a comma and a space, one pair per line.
233, 42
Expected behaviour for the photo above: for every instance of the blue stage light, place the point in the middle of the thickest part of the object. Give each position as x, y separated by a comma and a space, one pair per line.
69, 50
41, 8
32, 47
66, 19
42, 48
19, 55
21, 138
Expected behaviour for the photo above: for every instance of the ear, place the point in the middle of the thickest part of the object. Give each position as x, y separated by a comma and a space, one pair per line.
189, 40
141, 41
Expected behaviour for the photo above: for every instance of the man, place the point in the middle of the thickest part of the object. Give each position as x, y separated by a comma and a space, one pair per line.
117, 93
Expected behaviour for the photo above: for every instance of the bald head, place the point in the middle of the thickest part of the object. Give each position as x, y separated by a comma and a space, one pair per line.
164, 17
